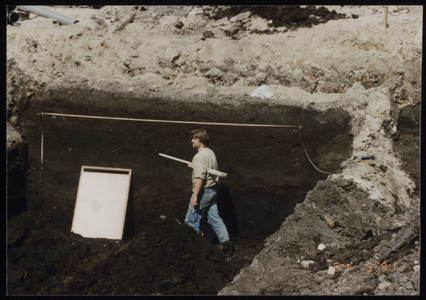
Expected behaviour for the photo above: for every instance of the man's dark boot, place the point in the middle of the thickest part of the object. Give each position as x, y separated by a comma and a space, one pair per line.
227, 247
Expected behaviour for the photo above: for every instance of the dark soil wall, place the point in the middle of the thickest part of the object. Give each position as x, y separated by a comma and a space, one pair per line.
407, 143
17, 166
268, 172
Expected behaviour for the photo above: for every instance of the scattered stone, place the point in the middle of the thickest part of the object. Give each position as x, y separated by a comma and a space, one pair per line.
207, 34
32, 45
17, 237
331, 271
383, 168
262, 92
223, 22
126, 21
321, 247
329, 221
195, 11
169, 57
98, 20
214, 73
307, 263
258, 25
251, 81
179, 24
400, 224
384, 285
233, 29
261, 76
416, 268
240, 17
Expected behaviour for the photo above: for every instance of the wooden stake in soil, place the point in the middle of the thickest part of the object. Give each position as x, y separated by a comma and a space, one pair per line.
385, 17
329, 220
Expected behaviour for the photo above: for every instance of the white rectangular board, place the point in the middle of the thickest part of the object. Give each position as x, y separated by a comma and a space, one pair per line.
100, 208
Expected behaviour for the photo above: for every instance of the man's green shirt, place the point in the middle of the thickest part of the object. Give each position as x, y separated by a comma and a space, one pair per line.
202, 161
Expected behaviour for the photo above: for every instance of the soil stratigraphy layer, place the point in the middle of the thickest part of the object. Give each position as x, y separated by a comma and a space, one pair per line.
268, 174
291, 16
268, 171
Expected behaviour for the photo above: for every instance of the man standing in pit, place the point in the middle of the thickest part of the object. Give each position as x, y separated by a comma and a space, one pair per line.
204, 190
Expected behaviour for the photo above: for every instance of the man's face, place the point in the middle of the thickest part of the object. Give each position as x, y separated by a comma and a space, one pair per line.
196, 143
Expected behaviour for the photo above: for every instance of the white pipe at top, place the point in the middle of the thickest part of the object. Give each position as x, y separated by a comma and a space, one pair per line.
14, 17
48, 14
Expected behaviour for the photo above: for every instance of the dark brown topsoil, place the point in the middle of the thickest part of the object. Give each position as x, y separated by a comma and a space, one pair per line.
166, 257
291, 16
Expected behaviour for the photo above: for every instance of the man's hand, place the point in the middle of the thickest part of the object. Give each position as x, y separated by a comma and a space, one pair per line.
194, 200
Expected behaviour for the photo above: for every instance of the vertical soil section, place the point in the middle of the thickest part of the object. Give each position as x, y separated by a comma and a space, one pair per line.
17, 167
268, 172
407, 142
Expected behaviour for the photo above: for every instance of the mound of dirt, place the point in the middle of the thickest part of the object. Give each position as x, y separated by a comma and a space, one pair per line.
166, 257
369, 248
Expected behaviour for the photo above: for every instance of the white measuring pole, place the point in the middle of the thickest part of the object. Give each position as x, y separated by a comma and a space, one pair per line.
211, 171
177, 159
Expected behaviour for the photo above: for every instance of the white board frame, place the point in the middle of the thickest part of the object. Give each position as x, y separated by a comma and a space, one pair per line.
101, 204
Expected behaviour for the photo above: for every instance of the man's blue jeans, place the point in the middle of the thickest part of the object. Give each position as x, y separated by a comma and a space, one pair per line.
207, 203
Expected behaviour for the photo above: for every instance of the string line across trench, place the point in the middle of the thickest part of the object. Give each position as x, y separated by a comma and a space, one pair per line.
175, 122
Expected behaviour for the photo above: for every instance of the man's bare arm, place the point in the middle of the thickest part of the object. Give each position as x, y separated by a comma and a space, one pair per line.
197, 188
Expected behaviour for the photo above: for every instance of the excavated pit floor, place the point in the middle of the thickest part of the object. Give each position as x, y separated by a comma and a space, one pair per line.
268, 174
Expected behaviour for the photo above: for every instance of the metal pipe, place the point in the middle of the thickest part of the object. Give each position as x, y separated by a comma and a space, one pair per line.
11, 8
14, 17
48, 14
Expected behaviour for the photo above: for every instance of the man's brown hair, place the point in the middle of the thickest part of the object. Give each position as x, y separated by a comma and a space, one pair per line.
201, 134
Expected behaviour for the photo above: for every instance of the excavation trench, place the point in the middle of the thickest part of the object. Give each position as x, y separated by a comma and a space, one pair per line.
268, 169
